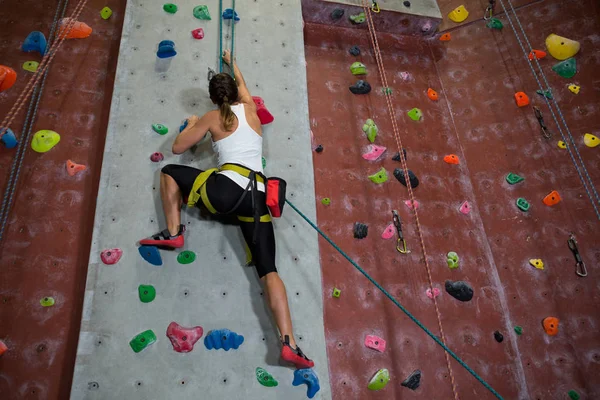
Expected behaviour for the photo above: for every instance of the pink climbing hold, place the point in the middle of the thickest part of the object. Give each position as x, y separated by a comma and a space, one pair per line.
374, 152
412, 205
182, 338
404, 75
198, 33
157, 157
465, 208
111, 256
375, 343
436, 293
388, 233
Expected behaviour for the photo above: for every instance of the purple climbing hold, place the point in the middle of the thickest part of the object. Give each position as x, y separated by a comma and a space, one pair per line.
459, 290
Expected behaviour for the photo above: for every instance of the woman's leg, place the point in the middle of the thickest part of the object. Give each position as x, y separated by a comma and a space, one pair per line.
171, 197
276, 298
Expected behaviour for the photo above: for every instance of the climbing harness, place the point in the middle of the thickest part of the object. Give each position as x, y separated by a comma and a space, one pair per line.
220, 55
489, 11
375, 7
401, 245
580, 265
538, 114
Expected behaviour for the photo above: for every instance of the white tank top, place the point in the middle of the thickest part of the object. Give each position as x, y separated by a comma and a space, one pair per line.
243, 146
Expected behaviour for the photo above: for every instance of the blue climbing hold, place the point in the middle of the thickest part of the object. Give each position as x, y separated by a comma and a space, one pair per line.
35, 41
150, 254
8, 139
166, 49
229, 14
308, 377
183, 126
223, 339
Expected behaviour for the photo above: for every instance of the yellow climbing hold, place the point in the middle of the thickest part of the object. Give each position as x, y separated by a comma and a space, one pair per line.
44, 140
574, 88
561, 144
591, 140
459, 14
536, 262
560, 47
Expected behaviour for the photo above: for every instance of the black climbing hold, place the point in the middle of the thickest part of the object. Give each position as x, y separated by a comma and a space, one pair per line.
399, 174
459, 290
406, 4
319, 149
360, 230
354, 50
397, 155
413, 381
360, 87
337, 14
498, 336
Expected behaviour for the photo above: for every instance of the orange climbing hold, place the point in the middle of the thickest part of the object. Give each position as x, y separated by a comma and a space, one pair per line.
73, 168
552, 199
550, 325
522, 99
8, 77
452, 159
432, 94
539, 54
80, 30
445, 37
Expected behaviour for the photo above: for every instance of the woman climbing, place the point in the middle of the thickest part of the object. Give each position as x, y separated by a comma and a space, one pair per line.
236, 187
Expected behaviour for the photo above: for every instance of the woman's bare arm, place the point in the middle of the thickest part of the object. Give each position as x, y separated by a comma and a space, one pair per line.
192, 134
243, 92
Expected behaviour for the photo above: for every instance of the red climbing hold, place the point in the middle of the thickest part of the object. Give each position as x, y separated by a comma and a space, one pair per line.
539, 54
8, 77
157, 157
375, 343
263, 114
388, 232
111, 256
432, 94
198, 33
3, 348
80, 30
552, 198
465, 208
522, 99
183, 339
445, 37
452, 159
73, 169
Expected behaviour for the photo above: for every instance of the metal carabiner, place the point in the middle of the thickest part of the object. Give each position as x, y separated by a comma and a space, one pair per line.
375, 7
401, 244
580, 266
538, 114
489, 11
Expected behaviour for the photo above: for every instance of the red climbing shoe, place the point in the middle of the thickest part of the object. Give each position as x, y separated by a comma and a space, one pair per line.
165, 240
296, 356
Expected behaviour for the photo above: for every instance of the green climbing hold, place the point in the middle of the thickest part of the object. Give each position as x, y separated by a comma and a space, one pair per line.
160, 129
573, 395
143, 340
452, 259
201, 12
358, 18
336, 292
47, 301
31, 66
379, 176
495, 23
546, 93
264, 162
44, 140
105, 13
523, 204
415, 114
386, 90
371, 130
514, 178
358, 68
566, 69
265, 378
326, 201
518, 330
186, 257
170, 8
147, 293
379, 380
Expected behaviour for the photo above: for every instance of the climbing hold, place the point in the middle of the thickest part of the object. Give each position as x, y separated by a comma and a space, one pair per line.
358, 68
523, 204
573, 395
142, 341
229, 14
539, 54
170, 8
446, 37
518, 330
73, 169
336, 14
183, 339
31, 66
379, 176
552, 198
432, 294
545, 93
566, 69
561, 144
44, 140
413, 380
336, 292
147, 293
358, 18
263, 113
465, 208
375, 343
374, 152
388, 232
319, 149
537, 262
514, 178
157, 157
111, 256
326, 201
264, 162
360, 230
406, 3
560, 47
452, 159
459, 14
360, 87
574, 88
379, 380
222, 339
404, 75
386, 90
415, 114
201, 12
186, 257
8, 77
452, 260
47, 301
183, 125
495, 23
9, 140
166, 49
198, 33
150, 254
590, 140
35, 41
498, 336
105, 13
460, 290
399, 174
3, 348
265, 378
79, 30
354, 50
550, 325
432, 94
370, 129
396, 156
307, 376
522, 99
161, 129
412, 205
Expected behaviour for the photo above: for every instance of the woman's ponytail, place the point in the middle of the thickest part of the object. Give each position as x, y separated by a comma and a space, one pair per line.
227, 115
223, 91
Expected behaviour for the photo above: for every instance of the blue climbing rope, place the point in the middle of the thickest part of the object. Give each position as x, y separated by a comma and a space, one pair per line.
400, 306
232, 38
220, 55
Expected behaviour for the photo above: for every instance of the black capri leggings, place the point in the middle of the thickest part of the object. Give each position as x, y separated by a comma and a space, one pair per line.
223, 194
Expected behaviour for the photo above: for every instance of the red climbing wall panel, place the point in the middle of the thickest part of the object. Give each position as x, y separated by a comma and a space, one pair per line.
45, 249
476, 118
476, 9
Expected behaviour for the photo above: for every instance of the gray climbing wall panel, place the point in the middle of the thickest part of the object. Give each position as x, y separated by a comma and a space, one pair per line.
216, 291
